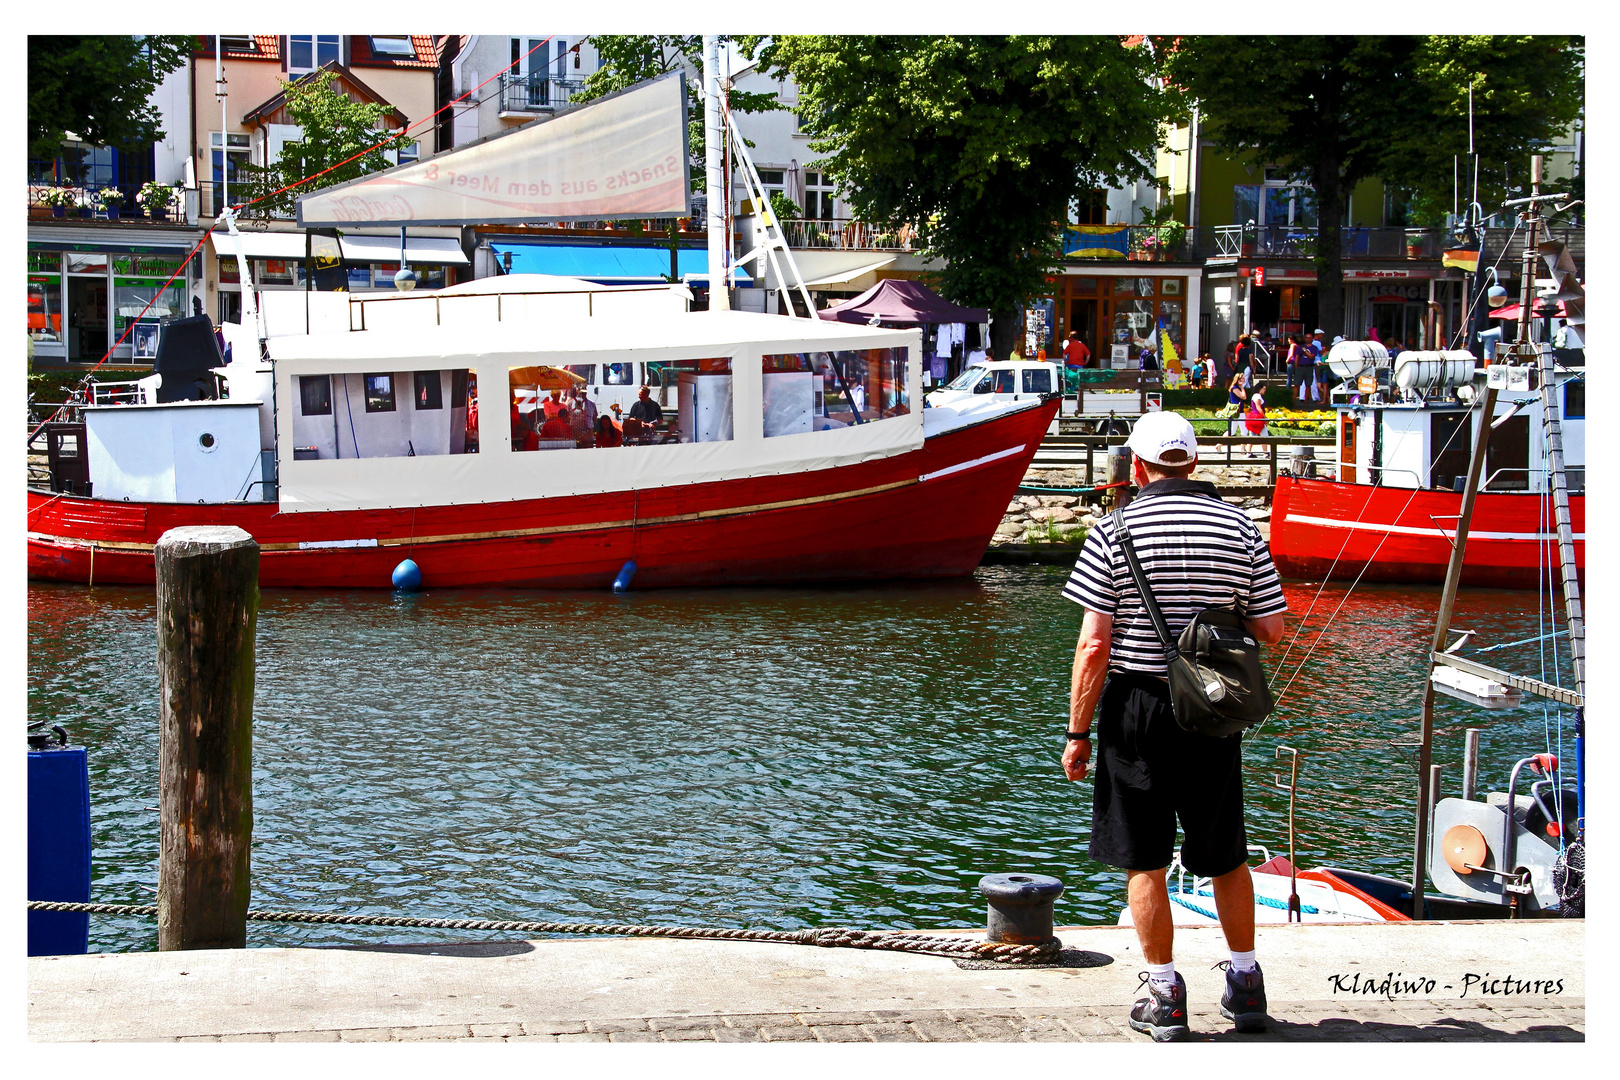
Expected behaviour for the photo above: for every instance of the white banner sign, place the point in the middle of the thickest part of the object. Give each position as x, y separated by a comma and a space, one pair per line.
622, 156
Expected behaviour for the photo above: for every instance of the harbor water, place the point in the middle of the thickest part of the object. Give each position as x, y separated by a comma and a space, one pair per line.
774, 758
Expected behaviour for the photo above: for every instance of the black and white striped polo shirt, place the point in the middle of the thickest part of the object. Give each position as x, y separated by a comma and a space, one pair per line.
1198, 553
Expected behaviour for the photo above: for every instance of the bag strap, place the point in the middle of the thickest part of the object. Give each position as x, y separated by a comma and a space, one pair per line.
1122, 533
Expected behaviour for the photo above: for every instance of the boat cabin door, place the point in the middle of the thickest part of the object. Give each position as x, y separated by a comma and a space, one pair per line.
65, 454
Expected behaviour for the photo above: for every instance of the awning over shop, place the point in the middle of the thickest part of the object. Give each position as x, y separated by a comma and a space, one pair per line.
359, 249
841, 276
608, 264
121, 241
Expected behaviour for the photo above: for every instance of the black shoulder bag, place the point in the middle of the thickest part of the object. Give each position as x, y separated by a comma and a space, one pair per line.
1217, 686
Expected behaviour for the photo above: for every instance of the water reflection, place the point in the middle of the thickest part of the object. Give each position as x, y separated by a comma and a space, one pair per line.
761, 757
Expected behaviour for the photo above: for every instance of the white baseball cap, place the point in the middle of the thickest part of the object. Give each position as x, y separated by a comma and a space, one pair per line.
1157, 433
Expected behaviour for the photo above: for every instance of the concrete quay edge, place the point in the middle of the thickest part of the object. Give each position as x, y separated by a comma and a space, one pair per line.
653, 989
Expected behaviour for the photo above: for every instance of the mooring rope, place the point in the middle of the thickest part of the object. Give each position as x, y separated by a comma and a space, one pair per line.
825, 937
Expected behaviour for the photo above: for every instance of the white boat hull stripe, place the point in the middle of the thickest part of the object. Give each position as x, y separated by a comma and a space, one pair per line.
1412, 530
313, 545
975, 463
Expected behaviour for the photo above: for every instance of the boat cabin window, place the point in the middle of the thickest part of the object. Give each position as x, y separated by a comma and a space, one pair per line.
823, 391
968, 377
564, 408
429, 391
364, 416
315, 394
1037, 380
379, 393
1507, 456
1575, 399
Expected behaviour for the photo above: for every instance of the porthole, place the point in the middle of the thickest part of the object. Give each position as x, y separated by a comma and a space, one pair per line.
207, 442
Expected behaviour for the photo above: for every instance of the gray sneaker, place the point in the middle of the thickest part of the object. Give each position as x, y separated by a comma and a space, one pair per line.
1163, 1016
1244, 1002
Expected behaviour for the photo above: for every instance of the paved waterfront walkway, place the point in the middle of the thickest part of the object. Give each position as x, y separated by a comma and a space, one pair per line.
658, 990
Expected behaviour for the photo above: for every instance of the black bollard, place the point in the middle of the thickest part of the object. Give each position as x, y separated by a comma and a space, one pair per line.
1020, 907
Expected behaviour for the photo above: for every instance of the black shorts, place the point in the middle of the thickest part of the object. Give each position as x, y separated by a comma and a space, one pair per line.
1149, 771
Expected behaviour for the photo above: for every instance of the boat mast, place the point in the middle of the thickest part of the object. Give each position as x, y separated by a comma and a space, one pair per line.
1442, 626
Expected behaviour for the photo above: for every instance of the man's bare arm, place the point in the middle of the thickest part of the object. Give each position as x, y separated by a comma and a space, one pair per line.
1267, 629
1085, 687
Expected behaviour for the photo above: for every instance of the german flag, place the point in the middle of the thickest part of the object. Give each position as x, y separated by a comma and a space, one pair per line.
1464, 255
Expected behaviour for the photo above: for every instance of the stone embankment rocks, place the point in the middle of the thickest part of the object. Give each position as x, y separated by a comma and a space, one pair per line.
1035, 524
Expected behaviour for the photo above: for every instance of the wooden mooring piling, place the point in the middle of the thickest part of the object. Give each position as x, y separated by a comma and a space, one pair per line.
207, 614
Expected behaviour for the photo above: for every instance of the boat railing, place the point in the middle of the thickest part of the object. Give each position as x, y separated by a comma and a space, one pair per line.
123, 392
1574, 476
1417, 481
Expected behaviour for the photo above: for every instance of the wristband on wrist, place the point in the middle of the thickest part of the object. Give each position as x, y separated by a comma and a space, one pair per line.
1079, 736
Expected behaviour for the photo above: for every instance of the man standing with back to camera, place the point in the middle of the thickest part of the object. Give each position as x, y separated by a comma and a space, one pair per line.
1198, 553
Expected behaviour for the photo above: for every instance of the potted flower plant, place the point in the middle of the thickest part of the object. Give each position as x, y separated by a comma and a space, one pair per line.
155, 198
110, 198
1172, 236
57, 198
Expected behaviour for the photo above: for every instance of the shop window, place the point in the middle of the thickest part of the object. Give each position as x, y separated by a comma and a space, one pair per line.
379, 393
145, 299
45, 307
429, 391
315, 395
273, 272
825, 391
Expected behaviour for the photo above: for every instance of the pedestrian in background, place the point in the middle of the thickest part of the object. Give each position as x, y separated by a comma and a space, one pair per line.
1198, 553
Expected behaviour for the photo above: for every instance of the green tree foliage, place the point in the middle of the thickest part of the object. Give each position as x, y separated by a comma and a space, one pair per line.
98, 88
982, 143
627, 59
335, 128
1335, 110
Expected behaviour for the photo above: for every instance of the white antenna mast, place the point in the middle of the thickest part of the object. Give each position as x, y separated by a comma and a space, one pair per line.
714, 176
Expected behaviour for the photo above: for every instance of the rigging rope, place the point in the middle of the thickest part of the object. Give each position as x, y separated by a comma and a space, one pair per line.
1455, 431
824, 937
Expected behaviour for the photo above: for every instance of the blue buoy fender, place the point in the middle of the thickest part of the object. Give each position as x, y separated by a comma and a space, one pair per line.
408, 576
621, 583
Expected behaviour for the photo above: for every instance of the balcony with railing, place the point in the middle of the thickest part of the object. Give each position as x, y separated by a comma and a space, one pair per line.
847, 234
527, 95
86, 202
1300, 242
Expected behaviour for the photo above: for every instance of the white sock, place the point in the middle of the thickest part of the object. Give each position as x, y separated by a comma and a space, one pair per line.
1162, 977
1243, 962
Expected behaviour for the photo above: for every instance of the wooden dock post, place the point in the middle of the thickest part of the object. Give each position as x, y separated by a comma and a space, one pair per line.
1119, 472
207, 613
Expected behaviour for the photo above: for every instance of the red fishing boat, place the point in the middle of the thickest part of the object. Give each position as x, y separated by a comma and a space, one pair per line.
794, 450
1387, 509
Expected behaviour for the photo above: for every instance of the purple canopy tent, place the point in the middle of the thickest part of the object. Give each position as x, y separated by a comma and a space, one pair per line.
900, 303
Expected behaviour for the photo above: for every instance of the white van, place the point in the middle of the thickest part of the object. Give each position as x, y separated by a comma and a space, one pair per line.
1003, 380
